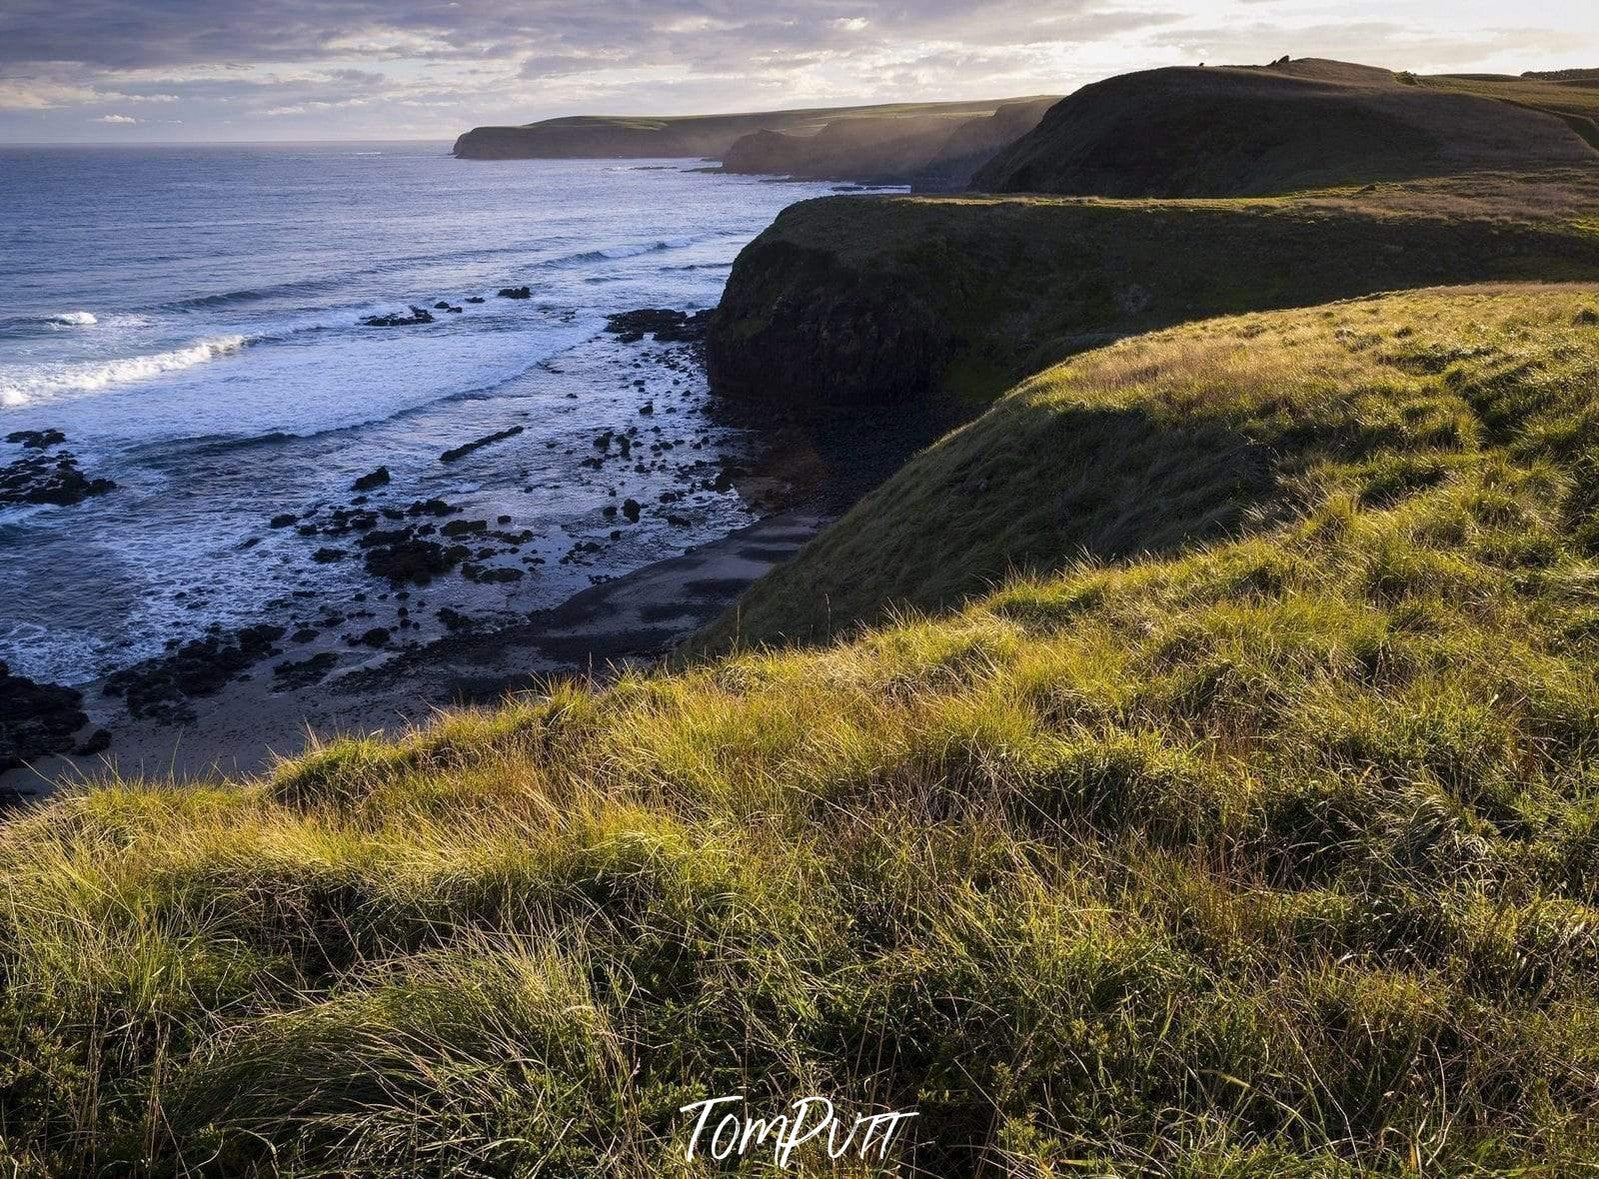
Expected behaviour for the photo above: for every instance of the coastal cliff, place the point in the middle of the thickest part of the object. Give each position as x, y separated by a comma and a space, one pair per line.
932, 152
847, 300
692, 136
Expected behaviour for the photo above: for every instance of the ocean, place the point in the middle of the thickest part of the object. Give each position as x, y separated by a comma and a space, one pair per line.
191, 319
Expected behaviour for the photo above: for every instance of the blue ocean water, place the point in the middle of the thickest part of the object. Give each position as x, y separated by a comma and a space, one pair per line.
191, 319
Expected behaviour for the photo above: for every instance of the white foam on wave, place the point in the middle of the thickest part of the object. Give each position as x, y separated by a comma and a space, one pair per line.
48, 382
74, 319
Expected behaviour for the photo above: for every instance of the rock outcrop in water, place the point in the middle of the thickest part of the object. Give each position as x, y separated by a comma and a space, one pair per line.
419, 315
661, 324
42, 477
36, 439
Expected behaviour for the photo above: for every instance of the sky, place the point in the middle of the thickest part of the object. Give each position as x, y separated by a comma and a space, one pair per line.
224, 70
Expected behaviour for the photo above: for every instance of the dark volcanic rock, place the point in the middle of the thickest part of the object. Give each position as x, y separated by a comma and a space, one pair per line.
516, 292
802, 326
459, 452
302, 673
372, 479
48, 479
161, 687
485, 575
96, 742
664, 325
418, 315
412, 559
455, 621
431, 507
36, 719
36, 439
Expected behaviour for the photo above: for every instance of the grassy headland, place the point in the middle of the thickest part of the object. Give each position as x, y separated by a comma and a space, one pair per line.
1255, 832
1189, 767
843, 300
1259, 130
936, 151
659, 137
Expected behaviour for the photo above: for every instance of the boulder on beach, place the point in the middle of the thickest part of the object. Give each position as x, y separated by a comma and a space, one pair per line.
162, 687
36, 719
302, 673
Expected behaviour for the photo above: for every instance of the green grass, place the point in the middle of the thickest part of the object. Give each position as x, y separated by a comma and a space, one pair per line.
1574, 102
1273, 850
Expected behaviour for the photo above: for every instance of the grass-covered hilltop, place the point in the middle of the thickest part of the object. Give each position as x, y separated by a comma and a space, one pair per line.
1188, 767
1239, 130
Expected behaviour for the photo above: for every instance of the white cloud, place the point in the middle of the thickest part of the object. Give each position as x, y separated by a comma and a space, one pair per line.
355, 68
120, 120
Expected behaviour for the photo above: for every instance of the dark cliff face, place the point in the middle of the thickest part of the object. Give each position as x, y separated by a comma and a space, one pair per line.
589, 140
856, 300
801, 326
645, 136
934, 153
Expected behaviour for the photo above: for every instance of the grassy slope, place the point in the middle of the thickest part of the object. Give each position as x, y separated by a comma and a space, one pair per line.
1268, 855
1240, 130
849, 299
1574, 101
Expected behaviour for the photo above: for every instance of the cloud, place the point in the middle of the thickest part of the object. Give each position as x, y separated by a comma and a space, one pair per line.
361, 68
118, 119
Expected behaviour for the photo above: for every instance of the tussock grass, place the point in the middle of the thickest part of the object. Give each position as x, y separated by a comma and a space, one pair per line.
1265, 842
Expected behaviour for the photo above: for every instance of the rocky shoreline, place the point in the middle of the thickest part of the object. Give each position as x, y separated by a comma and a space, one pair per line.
407, 643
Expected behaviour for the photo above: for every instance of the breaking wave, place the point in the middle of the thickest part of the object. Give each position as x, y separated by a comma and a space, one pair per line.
49, 382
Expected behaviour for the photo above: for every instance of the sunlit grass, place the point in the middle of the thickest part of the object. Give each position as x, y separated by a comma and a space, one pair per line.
1223, 834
